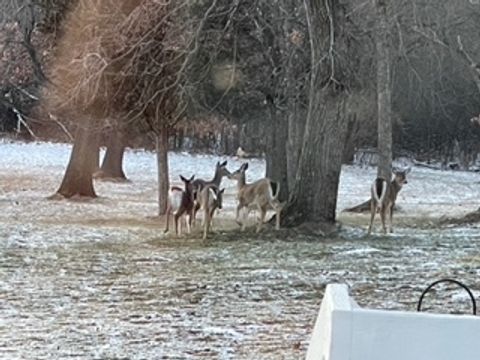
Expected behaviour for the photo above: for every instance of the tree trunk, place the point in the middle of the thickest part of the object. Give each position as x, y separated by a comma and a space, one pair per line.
384, 92
77, 180
296, 125
276, 154
112, 165
162, 164
314, 197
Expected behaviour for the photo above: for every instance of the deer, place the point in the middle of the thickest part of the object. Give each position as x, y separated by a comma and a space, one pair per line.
180, 203
221, 171
384, 195
261, 194
210, 199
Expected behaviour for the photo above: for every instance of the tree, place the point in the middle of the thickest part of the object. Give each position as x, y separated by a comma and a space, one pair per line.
112, 165
314, 197
82, 85
384, 91
26, 47
126, 64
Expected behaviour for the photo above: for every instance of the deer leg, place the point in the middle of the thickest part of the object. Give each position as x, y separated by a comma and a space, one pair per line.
206, 222
212, 212
263, 212
239, 207
196, 207
188, 222
168, 220
278, 214
245, 217
177, 216
373, 210
383, 216
391, 218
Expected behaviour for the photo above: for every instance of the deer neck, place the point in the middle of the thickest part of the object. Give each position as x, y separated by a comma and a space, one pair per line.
241, 182
217, 178
395, 189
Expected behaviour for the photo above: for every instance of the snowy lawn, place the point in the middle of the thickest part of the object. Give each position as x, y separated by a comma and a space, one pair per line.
99, 279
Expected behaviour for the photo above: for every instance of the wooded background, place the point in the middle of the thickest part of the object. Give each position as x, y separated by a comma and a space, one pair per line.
305, 83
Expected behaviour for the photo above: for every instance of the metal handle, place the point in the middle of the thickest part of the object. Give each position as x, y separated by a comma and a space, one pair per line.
474, 304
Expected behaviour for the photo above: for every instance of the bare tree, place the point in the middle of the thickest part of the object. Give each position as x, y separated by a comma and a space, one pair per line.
125, 64
384, 90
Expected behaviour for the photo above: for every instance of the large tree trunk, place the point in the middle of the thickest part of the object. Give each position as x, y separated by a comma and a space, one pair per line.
162, 164
314, 197
112, 165
384, 92
77, 181
277, 151
296, 125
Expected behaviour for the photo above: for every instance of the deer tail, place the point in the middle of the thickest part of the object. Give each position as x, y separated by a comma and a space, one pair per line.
274, 189
379, 190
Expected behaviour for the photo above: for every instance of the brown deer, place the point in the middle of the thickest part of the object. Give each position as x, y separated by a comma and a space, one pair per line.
210, 199
181, 202
261, 194
220, 172
384, 195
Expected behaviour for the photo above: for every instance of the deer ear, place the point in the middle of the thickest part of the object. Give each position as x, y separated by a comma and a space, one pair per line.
192, 177
223, 164
407, 170
245, 166
221, 191
183, 179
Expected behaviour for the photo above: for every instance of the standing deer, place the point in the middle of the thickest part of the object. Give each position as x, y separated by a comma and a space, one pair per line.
210, 199
220, 172
261, 194
180, 202
384, 195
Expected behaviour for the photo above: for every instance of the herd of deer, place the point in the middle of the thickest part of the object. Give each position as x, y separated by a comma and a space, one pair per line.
260, 195
199, 194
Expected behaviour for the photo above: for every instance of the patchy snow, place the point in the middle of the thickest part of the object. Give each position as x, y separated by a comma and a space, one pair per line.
99, 279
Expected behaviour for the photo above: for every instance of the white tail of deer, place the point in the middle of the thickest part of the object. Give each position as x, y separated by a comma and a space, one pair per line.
384, 195
261, 194
210, 199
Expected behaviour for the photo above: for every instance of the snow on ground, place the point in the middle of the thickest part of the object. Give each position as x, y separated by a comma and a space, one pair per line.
99, 279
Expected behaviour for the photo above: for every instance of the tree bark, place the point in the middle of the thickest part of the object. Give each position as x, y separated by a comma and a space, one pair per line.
276, 158
384, 92
112, 165
163, 175
77, 181
296, 125
314, 197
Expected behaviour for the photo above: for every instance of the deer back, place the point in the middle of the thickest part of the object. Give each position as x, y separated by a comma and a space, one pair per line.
257, 191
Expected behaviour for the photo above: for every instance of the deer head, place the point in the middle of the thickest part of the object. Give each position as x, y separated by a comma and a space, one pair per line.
400, 176
239, 174
188, 184
221, 169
